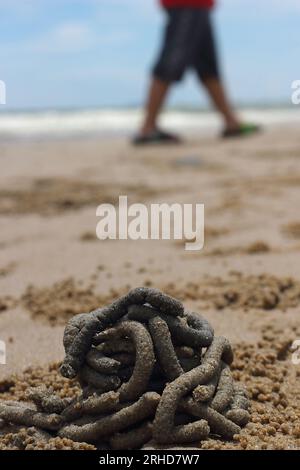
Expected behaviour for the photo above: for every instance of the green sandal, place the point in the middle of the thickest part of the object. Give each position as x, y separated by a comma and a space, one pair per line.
243, 131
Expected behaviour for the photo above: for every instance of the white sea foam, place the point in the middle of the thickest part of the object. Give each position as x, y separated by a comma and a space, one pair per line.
103, 122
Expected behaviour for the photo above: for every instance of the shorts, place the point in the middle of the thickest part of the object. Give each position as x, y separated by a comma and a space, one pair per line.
188, 44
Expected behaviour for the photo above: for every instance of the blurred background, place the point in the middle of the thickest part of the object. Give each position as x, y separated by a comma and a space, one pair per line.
82, 65
76, 74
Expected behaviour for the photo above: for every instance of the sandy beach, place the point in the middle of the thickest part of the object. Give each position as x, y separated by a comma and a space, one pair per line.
246, 280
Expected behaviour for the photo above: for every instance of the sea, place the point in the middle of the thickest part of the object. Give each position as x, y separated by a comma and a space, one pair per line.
120, 122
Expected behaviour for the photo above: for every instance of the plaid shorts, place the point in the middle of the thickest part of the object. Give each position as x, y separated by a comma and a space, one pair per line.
188, 44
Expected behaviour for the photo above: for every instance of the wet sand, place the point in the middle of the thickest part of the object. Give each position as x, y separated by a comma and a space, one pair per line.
246, 281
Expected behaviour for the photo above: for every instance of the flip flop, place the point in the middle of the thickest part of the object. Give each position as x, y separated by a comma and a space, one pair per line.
156, 137
243, 131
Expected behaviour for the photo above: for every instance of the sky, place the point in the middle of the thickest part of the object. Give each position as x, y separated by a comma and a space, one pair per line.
82, 53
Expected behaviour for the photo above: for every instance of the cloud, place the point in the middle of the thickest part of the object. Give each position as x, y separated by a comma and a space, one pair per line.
269, 9
67, 38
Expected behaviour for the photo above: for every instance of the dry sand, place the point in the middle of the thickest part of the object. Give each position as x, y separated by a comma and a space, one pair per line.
246, 281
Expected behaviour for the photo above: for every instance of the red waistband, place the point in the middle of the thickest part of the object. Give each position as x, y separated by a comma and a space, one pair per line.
187, 3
